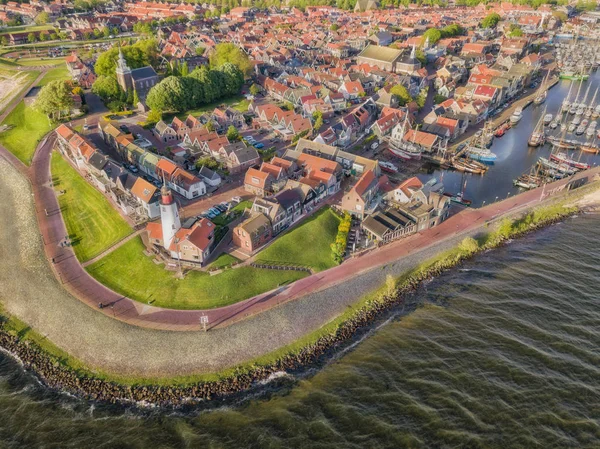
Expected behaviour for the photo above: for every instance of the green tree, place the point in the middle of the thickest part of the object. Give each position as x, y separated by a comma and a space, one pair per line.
420, 54
210, 126
401, 94
515, 30
254, 90
31, 38
233, 78
232, 133
334, 27
53, 36
169, 95
208, 162
54, 99
154, 116
318, 118
106, 31
136, 99
141, 54
491, 20
433, 34
107, 88
4, 40
228, 52
42, 18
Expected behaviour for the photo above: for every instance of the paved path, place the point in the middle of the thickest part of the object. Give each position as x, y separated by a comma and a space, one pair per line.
79, 283
106, 252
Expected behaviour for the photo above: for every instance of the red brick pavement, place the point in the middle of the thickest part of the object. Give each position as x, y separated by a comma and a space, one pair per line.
81, 285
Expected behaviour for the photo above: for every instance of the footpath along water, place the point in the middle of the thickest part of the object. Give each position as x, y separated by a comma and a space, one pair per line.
515, 157
499, 353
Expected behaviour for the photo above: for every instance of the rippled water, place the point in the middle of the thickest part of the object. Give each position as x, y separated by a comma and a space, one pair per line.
502, 353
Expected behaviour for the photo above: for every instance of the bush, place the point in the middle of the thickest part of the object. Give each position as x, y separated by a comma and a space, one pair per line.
338, 248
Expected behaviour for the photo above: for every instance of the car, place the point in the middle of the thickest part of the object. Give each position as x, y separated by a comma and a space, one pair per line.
212, 215
259, 145
215, 211
374, 145
86, 127
124, 128
225, 204
220, 207
236, 199
133, 169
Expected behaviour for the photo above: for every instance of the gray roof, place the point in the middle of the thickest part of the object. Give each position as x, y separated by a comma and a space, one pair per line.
207, 173
143, 73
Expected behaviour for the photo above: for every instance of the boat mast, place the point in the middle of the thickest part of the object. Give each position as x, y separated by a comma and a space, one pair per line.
587, 91
594, 98
575, 103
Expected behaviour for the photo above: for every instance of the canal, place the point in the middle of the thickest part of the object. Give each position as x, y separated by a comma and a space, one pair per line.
514, 155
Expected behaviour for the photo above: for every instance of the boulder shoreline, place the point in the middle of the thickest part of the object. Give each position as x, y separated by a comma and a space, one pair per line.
58, 376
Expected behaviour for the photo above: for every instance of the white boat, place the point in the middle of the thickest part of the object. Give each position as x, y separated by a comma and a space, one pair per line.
388, 166
547, 119
517, 115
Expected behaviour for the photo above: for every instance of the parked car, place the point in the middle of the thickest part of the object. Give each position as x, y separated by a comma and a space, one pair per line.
236, 199
259, 145
124, 128
374, 145
220, 207
133, 169
215, 211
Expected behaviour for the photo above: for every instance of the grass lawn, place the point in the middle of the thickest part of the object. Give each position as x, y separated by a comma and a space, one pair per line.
223, 260
307, 244
57, 73
26, 28
28, 128
92, 223
128, 271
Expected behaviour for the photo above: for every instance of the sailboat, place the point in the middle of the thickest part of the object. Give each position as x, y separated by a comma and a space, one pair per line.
479, 151
589, 148
566, 104
406, 149
538, 136
543, 92
460, 196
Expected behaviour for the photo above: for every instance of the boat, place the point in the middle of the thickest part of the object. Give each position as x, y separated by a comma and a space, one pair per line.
527, 182
571, 127
564, 158
577, 120
558, 168
465, 165
538, 137
553, 124
500, 132
405, 149
481, 154
547, 119
458, 198
589, 148
388, 166
517, 115
543, 92
579, 110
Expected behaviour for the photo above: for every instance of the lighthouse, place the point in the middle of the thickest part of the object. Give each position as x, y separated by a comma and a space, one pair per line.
169, 216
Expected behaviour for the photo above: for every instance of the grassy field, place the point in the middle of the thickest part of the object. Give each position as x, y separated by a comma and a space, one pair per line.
91, 221
39, 61
223, 260
27, 77
25, 29
57, 73
307, 244
128, 271
28, 128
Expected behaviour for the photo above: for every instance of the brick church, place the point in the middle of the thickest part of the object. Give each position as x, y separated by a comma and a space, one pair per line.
139, 80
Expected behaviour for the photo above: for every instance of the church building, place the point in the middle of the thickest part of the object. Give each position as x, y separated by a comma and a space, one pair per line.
139, 80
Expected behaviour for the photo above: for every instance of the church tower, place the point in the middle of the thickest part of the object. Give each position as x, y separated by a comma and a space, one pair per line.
123, 73
169, 216
413, 52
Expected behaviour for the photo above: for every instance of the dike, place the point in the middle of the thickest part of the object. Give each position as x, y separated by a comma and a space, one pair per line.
56, 375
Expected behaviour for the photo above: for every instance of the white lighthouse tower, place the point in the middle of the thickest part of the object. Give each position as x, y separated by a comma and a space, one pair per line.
169, 216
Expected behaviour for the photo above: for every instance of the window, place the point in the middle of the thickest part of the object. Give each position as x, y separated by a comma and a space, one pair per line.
358, 207
247, 245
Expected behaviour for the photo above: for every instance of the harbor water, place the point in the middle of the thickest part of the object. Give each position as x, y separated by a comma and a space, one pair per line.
499, 353
515, 157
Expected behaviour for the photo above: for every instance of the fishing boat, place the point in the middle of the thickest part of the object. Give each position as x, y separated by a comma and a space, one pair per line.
566, 104
577, 120
388, 167
517, 115
589, 148
405, 149
538, 136
468, 166
559, 169
527, 182
547, 119
481, 154
460, 196
564, 158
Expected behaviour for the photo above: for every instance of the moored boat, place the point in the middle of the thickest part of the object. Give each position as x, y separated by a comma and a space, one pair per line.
517, 115
564, 158
388, 166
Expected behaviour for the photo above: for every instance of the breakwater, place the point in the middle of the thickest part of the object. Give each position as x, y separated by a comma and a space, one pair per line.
57, 375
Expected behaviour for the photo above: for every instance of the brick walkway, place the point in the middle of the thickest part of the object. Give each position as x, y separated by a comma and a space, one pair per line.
80, 284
